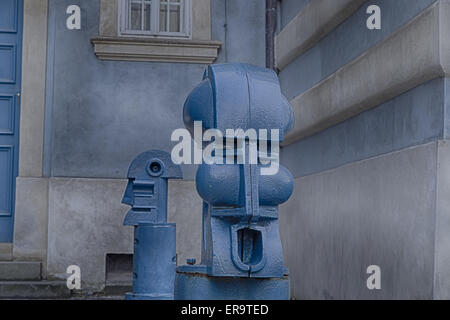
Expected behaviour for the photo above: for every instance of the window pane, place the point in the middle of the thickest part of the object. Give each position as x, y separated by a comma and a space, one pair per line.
135, 16
147, 16
163, 18
175, 18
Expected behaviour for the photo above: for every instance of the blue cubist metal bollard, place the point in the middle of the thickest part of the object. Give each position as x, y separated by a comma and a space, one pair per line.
241, 246
154, 260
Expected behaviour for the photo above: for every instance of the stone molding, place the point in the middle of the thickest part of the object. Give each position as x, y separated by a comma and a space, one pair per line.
415, 54
156, 50
310, 25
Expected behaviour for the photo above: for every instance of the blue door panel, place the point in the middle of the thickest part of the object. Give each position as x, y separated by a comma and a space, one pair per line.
9, 16
6, 168
7, 63
11, 13
7, 111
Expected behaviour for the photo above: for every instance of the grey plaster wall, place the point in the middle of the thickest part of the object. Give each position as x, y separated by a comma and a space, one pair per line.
379, 211
101, 114
442, 242
446, 116
30, 226
348, 41
240, 25
85, 222
415, 117
289, 9
371, 190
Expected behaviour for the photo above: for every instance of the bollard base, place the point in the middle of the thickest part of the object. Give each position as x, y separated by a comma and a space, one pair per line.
148, 296
154, 262
193, 283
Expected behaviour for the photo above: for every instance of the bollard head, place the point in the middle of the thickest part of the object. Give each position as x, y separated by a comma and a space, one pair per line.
238, 96
146, 191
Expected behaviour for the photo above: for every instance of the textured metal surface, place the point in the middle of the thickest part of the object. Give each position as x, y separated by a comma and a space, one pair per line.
238, 96
241, 239
195, 284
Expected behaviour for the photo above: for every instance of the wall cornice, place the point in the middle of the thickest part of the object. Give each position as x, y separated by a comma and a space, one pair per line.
311, 24
415, 54
156, 50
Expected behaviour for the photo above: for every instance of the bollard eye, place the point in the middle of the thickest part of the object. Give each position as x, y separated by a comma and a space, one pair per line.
155, 168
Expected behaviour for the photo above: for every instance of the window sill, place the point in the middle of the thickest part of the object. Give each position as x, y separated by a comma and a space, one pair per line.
156, 50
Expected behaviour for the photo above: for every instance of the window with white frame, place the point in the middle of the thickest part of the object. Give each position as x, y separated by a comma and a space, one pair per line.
164, 18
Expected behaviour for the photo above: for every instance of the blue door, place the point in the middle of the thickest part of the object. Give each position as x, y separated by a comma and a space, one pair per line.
11, 13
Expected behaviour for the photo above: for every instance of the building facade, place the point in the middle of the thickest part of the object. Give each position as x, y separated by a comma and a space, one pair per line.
91, 100
369, 147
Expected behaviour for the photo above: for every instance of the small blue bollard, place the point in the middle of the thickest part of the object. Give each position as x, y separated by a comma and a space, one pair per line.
154, 260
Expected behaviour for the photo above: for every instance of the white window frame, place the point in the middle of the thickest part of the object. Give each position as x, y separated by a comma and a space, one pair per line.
185, 21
